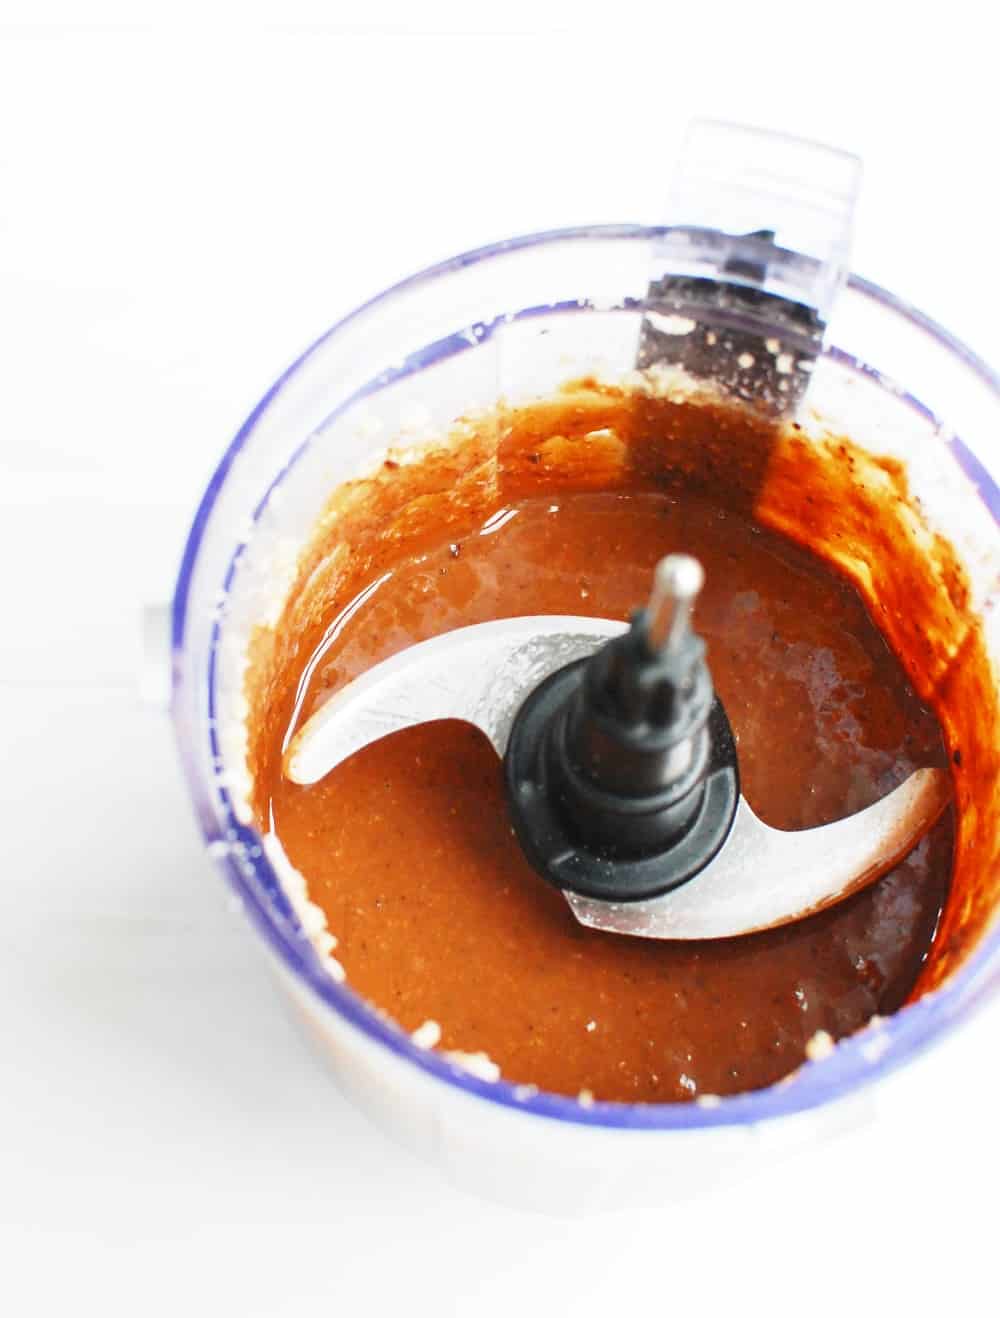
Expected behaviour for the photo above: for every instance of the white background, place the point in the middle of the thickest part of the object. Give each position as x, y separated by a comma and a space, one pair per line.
186, 199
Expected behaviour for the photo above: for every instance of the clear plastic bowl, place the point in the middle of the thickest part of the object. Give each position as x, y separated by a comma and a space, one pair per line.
519, 318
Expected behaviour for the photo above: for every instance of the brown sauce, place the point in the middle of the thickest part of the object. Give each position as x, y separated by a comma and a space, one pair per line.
407, 847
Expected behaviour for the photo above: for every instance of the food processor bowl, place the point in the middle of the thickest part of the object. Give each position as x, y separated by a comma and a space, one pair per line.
517, 320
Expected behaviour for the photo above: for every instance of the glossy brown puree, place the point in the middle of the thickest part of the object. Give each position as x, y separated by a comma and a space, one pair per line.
407, 847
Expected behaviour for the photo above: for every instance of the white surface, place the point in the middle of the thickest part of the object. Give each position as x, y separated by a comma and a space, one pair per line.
182, 208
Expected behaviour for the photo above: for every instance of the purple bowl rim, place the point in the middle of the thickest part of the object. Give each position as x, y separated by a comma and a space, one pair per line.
853, 1064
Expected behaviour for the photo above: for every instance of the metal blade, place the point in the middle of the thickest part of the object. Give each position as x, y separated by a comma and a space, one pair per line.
480, 674
764, 877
